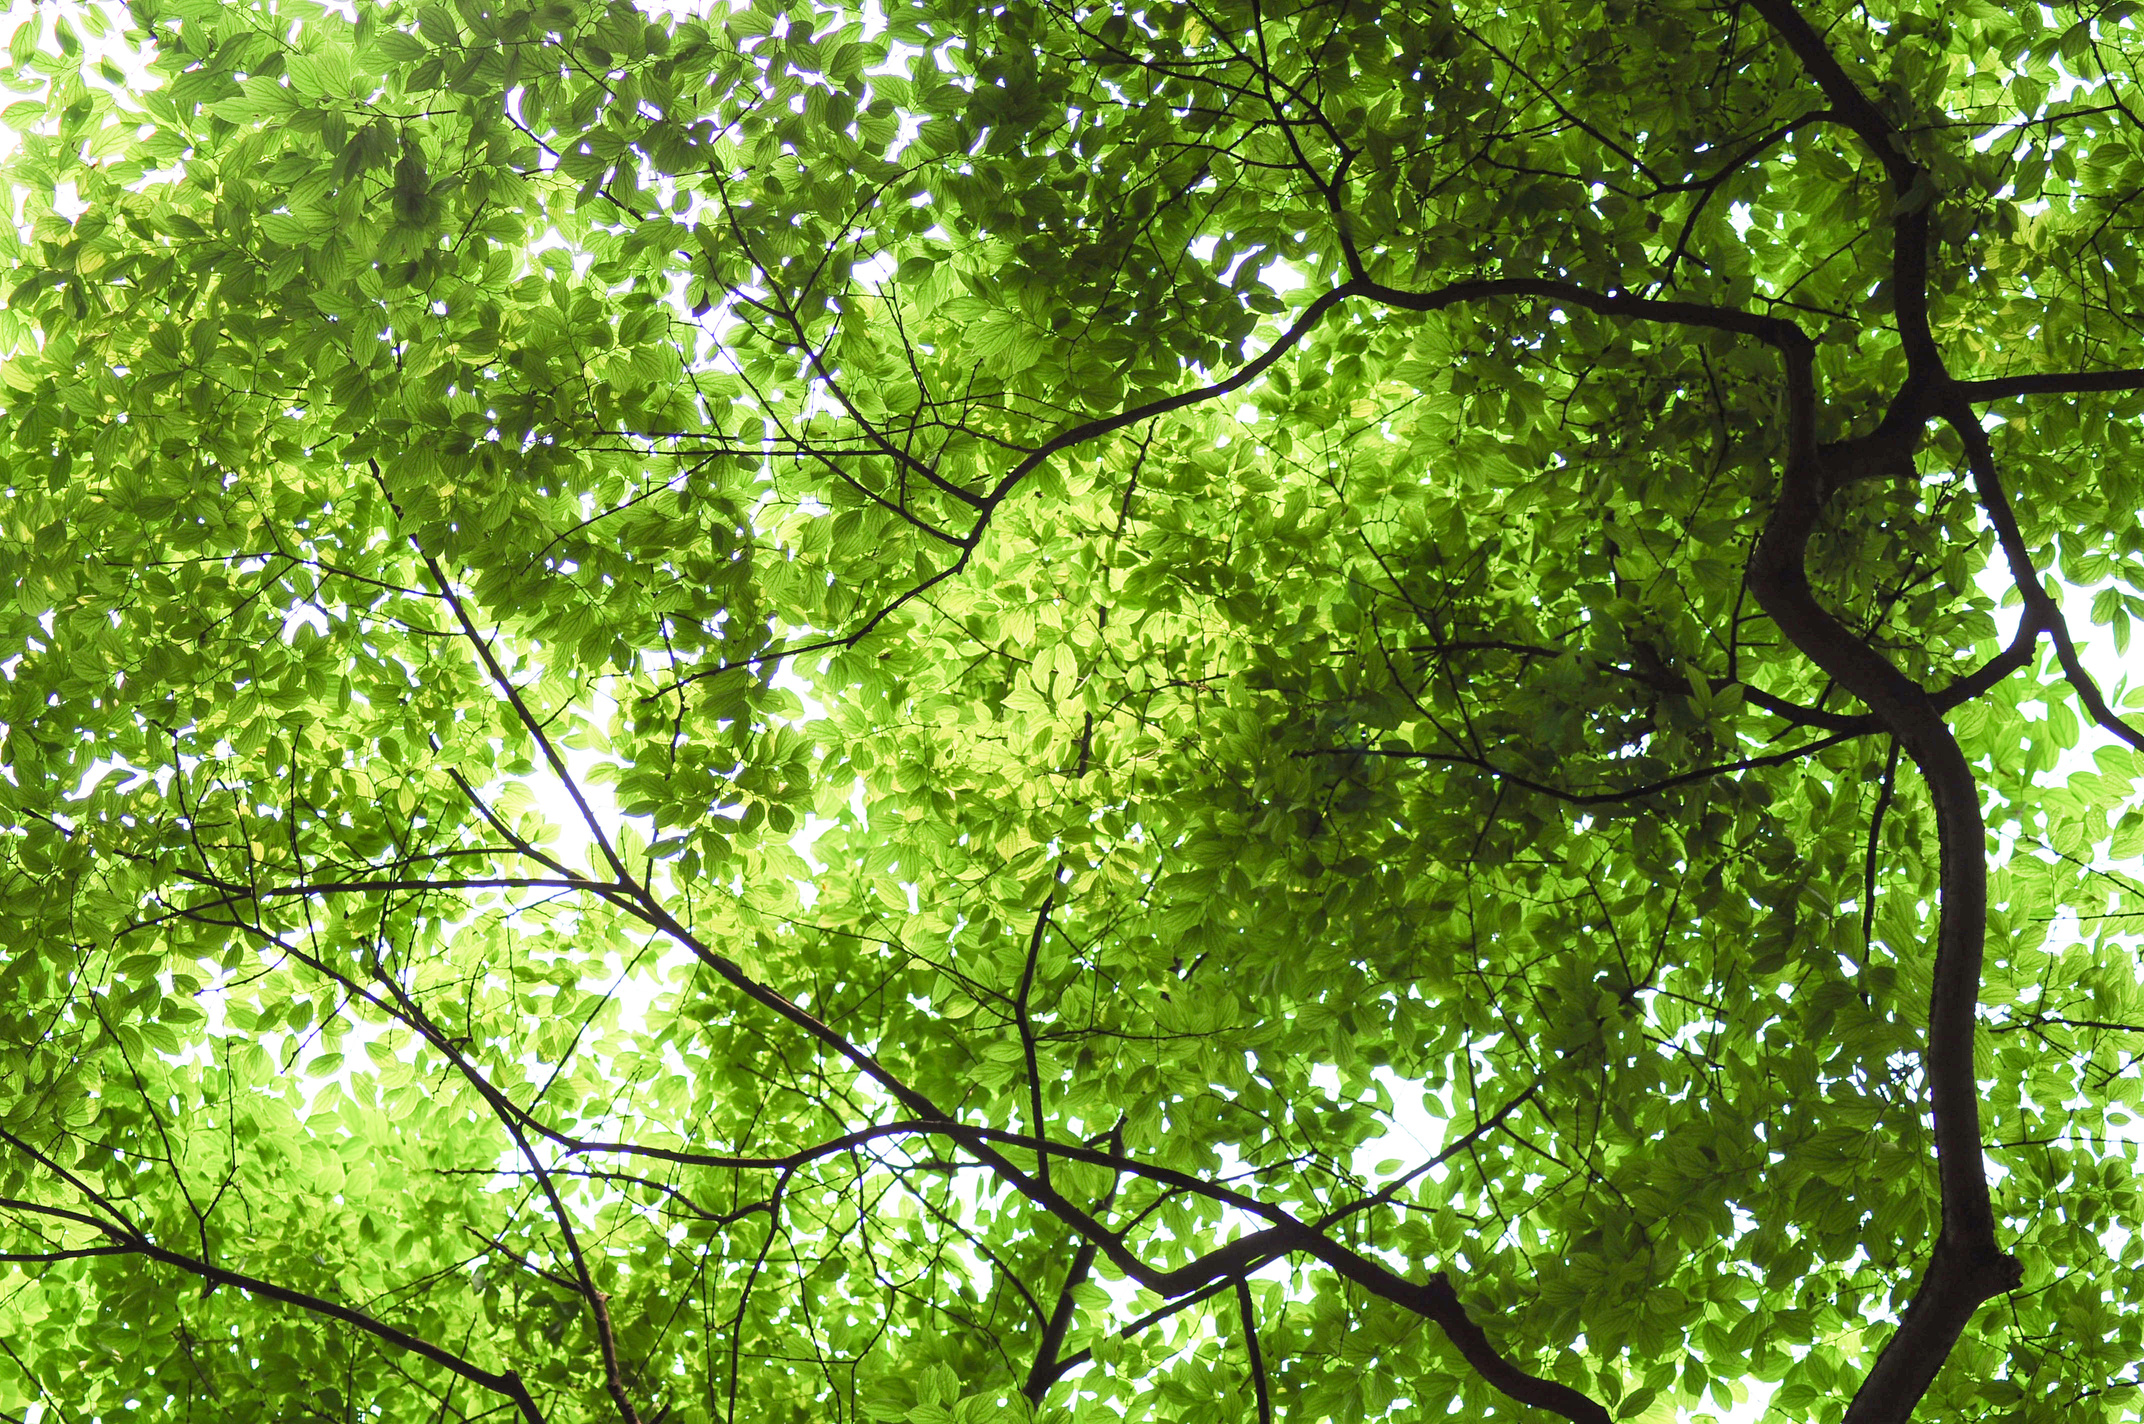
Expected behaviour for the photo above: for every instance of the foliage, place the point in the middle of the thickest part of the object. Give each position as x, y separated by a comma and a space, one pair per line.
1339, 553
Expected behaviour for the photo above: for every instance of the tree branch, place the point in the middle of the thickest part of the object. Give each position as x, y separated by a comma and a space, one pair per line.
1966, 1267
1850, 106
2040, 605
1047, 1369
1910, 184
1027, 1035
1249, 1315
1883, 804
1601, 798
1772, 330
127, 1241
2047, 383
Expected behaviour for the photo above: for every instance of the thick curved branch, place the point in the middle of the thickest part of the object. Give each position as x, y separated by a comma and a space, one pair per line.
1850, 106
1910, 183
1966, 1267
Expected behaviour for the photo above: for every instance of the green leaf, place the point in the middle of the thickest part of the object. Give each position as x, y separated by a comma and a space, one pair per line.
825, 685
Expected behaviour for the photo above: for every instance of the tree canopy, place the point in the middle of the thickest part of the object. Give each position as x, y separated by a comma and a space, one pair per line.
808, 713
